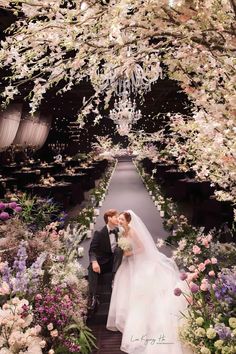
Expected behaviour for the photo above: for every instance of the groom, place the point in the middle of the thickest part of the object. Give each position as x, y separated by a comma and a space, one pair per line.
104, 254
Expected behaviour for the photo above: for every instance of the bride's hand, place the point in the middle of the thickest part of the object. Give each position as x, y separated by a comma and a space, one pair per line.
128, 253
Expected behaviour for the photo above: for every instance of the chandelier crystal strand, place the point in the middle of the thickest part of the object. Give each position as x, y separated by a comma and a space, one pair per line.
124, 114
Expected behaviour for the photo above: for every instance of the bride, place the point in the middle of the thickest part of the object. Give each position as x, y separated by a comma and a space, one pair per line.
143, 305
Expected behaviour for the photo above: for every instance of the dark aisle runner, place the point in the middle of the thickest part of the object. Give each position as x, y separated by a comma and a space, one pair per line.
126, 191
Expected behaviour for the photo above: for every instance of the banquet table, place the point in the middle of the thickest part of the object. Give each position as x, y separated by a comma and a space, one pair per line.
6, 183
25, 177
91, 174
78, 181
60, 191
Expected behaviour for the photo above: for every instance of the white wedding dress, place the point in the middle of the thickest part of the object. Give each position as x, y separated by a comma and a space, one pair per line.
143, 305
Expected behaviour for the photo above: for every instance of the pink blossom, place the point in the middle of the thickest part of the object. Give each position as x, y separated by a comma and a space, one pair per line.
194, 287
54, 333
177, 291
50, 326
196, 249
207, 261
209, 237
201, 267
204, 287
214, 260
4, 289
183, 276
191, 268
212, 273
205, 243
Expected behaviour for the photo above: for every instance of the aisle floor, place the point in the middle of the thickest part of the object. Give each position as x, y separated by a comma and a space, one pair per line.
126, 191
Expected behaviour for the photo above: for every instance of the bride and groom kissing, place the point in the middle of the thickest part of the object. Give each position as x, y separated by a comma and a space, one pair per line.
143, 306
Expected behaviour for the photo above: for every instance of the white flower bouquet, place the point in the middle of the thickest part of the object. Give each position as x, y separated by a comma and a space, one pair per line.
125, 244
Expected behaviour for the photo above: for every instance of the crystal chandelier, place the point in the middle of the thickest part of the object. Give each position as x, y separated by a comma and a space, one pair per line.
124, 115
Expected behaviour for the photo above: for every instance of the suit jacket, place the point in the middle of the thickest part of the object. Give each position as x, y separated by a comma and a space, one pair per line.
100, 249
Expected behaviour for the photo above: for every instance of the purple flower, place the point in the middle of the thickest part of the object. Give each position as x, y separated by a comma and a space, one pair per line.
2, 206
183, 276
6, 274
18, 209
225, 286
19, 265
194, 288
36, 272
177, 291
223, 331
4, 216
13, 205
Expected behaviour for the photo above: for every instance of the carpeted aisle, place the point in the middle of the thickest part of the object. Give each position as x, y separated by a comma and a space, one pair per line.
126, 191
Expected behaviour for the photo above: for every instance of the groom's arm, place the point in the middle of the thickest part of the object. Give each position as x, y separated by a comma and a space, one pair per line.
93, 247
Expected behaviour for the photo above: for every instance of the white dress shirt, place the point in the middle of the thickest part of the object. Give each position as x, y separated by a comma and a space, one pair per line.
112, 237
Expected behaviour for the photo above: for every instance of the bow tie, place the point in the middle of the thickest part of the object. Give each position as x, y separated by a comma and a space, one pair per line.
114, 231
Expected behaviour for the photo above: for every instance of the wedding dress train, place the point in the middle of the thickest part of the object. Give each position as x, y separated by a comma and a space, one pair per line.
143, 305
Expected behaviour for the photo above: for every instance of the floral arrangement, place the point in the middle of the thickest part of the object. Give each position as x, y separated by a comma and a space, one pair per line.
47, 181
18, 334
39, 212
124, 243
209, 280
210, 325
8, 210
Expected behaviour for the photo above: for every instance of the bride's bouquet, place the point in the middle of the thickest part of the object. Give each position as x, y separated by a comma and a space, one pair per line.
124, 243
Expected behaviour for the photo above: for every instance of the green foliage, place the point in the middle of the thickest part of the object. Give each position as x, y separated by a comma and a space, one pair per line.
37, 212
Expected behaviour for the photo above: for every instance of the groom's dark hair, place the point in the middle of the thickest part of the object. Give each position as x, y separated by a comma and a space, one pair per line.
110, 212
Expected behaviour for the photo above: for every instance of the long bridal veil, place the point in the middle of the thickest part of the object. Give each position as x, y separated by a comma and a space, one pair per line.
150, 317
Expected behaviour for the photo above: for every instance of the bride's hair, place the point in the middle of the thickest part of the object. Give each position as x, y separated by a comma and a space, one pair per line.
127, 216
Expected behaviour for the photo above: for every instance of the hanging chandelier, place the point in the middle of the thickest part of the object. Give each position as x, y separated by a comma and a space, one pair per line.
124, 114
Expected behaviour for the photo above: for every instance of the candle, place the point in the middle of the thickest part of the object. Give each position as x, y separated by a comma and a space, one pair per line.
156, 203
96, 211
89, 234
91, 226
150, 192
94, 219
80, 251
162, 213
100, 203
159, 207
153, 197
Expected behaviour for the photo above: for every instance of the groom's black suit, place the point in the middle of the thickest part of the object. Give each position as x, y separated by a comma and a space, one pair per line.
100, 251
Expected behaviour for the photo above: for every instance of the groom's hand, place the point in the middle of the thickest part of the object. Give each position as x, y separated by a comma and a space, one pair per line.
96, 267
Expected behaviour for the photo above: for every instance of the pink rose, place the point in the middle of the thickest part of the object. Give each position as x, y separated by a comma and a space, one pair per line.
207, 261
201, 267
214, 260
204, 287
196, 249
209, 237
38, 297
54, 333
212, 273
205, 243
